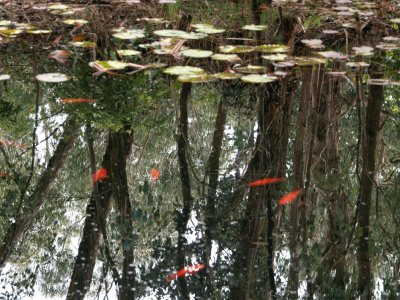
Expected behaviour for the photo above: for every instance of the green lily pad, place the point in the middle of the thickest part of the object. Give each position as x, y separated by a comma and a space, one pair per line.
196, 78
84, 44
39, 31
207, 28
250, 69
52, 77
256, 78
227, 75
275, 57
130, 34
253, 27
236, 49
183, 70
11, 32
75, 21
4, 77
5, 22
273, 48
180, 34
110, 64
226, 57
128, 52
57, 7
196, 53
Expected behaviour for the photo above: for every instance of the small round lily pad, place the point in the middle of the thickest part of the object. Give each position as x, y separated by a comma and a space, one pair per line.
183, 70
253, 27
196, 53
256, 78
128, 52
52, 77
198, 78
4, 77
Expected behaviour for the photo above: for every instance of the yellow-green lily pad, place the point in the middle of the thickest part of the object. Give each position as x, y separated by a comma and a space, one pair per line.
130, 34
39, 31
253, 27
128, 52
226, 57
256, 78
75, 21
227, 75
250, 69
196, 53
4, 77
197, 78
275, 57
236, 49
273, 48
52, 77
110, 64
83, 44
183, 70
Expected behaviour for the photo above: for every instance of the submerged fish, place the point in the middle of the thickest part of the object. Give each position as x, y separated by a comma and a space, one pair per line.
193, 269
155, 174
289, 197
99, 175
265, 181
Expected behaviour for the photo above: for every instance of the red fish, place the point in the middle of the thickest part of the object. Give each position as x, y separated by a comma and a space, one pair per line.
193, 269
77, 100
289, 197
155, 174
99, 175
265, 181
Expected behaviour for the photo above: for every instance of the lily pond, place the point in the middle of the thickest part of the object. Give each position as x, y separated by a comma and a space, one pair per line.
199, 149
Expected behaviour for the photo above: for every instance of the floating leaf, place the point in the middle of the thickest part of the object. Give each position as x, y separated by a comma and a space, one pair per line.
273, 48
52, 77
363, 51
75, 22
180, 34
387, 47
129, 34
250, 69
4, 77
275, 57
84, 44
39, 31
110, 64
227, 75
256, 78
226, 57
5, 22
235, 49
210, 30
375, 81
128, 52
307, 61
196, 78
57, 7
183, 70
357, 64
254, 27
196, 53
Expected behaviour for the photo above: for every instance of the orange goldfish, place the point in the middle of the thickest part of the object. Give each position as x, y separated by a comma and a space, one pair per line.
77, 100
193, 269
99, 175
265, 181
155, 174
290, 197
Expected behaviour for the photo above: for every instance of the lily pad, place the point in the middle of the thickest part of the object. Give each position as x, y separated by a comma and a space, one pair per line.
196, 53
273, 48
110, 64
180, 34
129, 34
253, 27
57, 7
378, 81
236, 49
227, 75
4, 77
250, 69
52, 77
256, 78
84, 44
39, 31
196, 78
275, 57
183, 70
128, 52
226, 57
5, 22
75, 21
